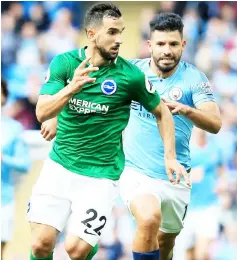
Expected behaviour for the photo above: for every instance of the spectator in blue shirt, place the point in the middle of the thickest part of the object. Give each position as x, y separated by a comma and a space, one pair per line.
14, 159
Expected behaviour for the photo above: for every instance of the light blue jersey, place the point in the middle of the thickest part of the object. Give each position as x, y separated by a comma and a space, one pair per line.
207, 159
143, 144
15, 157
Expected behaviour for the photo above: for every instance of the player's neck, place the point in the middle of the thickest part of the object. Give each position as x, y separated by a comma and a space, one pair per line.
96, 58
159, 73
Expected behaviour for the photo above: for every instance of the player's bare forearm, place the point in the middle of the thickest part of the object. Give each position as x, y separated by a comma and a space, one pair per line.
206, 117
166, 127
49, 106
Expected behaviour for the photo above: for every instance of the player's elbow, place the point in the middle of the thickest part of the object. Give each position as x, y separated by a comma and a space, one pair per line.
217, 126
40, 114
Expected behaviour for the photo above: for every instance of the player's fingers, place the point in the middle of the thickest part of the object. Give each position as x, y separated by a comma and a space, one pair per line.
83, 64
79, 79
186, 177
45, 133
170, 105
87, 80
42, 129
176, 110
49, 137
164, 100
170, 176
178, 175
88, 70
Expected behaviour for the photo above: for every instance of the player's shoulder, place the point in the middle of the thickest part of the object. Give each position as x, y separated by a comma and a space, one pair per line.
66, 56
129, 67
191, 73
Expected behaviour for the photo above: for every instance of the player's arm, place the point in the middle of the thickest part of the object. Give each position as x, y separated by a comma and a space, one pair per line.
49, 106
206, 114
150, 99
166, 128
165, 124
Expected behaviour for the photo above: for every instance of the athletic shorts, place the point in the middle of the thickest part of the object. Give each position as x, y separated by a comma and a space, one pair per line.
173, 199
61, 198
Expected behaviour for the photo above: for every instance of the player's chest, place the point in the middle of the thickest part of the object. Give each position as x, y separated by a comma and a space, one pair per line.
109, 92
173, 90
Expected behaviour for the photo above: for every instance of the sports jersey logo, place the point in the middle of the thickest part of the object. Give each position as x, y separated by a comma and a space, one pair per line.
176, 93
108, 87
149, 86
47, 76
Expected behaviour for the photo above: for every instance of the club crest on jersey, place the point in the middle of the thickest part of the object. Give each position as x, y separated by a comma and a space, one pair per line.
108, 87
176, 93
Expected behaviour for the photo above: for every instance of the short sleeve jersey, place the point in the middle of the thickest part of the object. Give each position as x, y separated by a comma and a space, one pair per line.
144, 149
89, 133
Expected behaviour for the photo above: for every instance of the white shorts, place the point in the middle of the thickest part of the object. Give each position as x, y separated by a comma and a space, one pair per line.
7, 222
62, 198
174, 199
199, 223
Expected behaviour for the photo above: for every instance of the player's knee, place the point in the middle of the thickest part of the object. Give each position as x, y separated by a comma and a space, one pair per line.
149, 223
42, 247
76, 251
167, 240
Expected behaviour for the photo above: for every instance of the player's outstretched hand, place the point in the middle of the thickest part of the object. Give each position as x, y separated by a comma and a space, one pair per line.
81, 76
176, 107
49, 129
173, 166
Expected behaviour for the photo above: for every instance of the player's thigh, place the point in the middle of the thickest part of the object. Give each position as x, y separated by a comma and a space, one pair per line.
7, 222
138, 193
92, 208
146, 211
174, 206
49, 203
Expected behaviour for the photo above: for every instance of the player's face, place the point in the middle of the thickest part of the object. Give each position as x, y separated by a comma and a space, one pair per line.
166, 49
108, 37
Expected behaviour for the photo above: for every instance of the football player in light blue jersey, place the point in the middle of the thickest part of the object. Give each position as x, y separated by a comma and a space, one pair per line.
202, 223
158, 206
14, 158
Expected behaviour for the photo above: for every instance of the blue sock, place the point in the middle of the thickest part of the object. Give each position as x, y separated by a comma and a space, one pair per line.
154, 255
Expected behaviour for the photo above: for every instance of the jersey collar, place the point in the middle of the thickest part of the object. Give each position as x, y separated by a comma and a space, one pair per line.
151, 74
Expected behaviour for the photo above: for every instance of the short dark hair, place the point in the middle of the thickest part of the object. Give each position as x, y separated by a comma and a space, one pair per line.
167, 22
97, 12
4, 89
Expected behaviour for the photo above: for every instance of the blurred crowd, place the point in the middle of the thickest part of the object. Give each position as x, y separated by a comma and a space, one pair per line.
34, 32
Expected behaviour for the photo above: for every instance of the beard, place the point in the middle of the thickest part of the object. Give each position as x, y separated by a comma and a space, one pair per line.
168, 67
106, 55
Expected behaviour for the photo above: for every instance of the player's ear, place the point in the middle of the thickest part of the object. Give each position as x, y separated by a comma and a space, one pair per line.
184, 43
91, 34
149, 45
